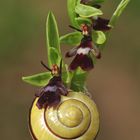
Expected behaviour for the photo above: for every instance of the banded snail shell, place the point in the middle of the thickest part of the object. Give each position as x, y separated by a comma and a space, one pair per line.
76, 118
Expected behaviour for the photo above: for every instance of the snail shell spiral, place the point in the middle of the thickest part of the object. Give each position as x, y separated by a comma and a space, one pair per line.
76, 118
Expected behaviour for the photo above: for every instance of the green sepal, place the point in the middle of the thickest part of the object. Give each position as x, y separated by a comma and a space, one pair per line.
52, 36
87, 11
40, 79
98, 37
94, 59
71, 39
81, 20
66, 77
71, 12
121, 7
79, 80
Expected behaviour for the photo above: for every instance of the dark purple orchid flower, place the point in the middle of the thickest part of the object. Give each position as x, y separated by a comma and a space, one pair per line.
82, 58
82, 52
101, 24
50, 95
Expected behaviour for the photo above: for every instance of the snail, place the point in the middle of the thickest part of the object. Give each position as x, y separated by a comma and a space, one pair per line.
75, 118
60, 114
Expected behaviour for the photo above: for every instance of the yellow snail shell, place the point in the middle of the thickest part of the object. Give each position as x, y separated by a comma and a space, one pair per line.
75, 118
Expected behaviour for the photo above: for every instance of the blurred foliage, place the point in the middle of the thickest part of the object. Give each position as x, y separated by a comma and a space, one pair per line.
18, 21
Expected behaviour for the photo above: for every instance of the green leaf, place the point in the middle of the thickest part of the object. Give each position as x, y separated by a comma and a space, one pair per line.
98, 37
40, 79
66, 76
52, 35
54, 56
78, 80
87, 11
121, 7
81, 20
71, 12
71, 39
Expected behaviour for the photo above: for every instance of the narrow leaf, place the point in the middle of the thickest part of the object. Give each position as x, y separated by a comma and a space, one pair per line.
121, 7
40, 79
54, 56
71, 39
52, 35
87, 11
98, 37
71, 11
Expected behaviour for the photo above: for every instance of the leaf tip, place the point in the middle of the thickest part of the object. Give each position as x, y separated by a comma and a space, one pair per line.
50, 13
24, 79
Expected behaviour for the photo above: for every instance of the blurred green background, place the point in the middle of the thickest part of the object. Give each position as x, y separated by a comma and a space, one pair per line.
114, 83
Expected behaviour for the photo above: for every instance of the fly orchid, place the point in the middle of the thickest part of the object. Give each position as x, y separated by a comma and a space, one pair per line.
82, 52
50, 94
52, 117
